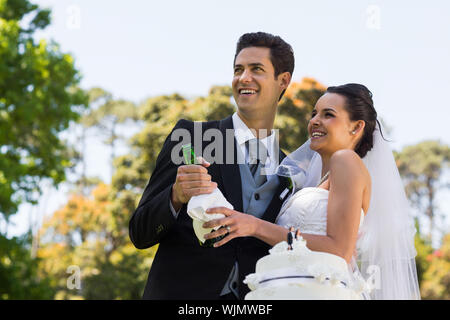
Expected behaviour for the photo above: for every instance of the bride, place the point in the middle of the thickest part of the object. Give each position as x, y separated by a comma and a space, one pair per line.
357, 211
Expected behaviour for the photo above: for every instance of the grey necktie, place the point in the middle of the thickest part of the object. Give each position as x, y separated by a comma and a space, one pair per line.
257, 155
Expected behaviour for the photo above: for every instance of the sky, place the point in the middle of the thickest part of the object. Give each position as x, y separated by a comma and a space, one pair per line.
137, 49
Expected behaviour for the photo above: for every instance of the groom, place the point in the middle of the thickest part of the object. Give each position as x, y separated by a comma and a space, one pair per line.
182, 269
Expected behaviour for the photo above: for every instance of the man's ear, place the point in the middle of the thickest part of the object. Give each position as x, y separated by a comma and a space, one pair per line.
285, 78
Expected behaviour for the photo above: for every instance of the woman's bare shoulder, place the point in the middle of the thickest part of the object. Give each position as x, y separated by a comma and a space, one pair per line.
349, 164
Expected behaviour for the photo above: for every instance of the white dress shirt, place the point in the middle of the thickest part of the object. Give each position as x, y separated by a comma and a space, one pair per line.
242, 134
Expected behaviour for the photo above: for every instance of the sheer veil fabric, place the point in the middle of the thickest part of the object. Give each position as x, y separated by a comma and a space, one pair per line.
385, 246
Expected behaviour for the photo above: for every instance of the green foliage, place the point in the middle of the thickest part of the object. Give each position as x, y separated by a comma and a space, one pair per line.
422, 166
109, 113
106, 114
160, 115
436, 279
424, 250
19, 277
92, 233
122, 276
38, 99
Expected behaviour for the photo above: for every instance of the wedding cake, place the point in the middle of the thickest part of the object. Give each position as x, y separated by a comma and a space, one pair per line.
294, 272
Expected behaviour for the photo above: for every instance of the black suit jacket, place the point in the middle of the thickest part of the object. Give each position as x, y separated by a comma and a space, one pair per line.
182, 269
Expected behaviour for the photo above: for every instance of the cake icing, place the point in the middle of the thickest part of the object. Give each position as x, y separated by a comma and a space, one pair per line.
298, 273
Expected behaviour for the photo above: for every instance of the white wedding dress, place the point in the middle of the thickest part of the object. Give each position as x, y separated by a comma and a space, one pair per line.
307, 210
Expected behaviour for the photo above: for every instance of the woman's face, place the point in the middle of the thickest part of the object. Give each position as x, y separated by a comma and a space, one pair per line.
330, 128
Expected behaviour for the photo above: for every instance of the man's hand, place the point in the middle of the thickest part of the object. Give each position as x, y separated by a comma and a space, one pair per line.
192, 180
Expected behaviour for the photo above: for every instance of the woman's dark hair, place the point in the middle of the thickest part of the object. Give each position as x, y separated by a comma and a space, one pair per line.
281, 53
359, 105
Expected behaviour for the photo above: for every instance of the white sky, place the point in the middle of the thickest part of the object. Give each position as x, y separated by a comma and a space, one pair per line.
135, 49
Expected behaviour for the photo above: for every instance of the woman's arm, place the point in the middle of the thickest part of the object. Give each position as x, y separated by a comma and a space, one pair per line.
347, 186
242, 225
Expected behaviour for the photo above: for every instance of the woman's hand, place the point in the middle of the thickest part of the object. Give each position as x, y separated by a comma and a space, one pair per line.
236, 224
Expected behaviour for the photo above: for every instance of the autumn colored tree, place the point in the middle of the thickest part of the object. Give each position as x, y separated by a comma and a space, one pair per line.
436, 279
85, 233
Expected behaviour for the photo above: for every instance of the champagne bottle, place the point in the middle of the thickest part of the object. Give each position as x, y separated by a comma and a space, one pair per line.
190, 158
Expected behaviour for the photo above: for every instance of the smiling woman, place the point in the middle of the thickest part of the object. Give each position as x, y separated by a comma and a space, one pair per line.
359, 106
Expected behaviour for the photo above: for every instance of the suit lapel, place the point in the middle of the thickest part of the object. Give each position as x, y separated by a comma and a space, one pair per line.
274, 206
231, 177
230, 173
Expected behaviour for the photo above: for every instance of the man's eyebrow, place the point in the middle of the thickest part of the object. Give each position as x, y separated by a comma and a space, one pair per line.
254, 64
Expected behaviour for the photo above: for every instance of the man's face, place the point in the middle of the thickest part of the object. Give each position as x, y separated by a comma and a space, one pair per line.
255, 87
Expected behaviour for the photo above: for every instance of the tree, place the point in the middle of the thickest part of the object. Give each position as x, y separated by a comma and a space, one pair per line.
421, 167
86, 233
107, 116
19, 276
436, 280
38, 99
424, 250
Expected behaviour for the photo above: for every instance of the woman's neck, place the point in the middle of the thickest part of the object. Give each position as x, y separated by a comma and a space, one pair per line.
325, 164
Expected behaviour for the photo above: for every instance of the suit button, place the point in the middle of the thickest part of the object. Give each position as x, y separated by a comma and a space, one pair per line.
256, 196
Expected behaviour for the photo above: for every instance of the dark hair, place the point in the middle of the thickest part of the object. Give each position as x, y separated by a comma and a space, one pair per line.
281, 53
359, 105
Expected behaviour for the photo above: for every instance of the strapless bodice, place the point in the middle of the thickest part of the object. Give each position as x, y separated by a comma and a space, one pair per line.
307, 210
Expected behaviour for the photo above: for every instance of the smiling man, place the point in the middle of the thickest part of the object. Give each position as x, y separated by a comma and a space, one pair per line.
182, 269
258, 80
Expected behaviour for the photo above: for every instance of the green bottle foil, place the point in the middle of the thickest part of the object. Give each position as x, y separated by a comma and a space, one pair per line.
190, 158
188, 154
